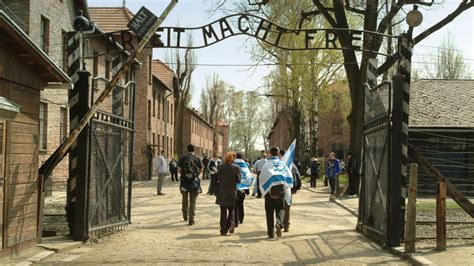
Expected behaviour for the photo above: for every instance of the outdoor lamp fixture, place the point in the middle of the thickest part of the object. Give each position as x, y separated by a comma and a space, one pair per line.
414, 17
8, 109
81, 23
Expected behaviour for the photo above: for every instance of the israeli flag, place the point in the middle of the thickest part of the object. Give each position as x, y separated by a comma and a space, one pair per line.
289, 156
246, 176
276, 172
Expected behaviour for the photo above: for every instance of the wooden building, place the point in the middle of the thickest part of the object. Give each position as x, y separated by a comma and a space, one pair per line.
25, 71
441, 128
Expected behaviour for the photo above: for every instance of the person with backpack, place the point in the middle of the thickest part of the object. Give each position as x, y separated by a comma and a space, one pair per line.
228, 176
276, 181
162, 171
190, 167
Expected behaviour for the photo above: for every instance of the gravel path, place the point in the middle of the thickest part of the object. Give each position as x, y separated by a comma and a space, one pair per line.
321, 232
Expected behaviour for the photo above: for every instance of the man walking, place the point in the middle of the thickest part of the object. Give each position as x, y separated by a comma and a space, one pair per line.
314, 171
257, 168
162, 171
205, 171
294, 189
332, 170
275, 180
189, 167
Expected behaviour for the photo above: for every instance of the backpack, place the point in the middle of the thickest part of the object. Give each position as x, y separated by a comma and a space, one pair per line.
190, 169
277, 192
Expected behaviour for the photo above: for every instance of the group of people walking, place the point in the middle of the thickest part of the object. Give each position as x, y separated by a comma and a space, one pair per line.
231, 181
277, 179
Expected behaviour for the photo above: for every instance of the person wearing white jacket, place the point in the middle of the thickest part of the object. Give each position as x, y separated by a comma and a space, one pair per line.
162, 171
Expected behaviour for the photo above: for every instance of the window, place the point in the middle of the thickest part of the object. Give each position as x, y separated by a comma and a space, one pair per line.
44, 34
158, 141
159, 104
154, 102
337, 126
168, 113
164, 108
43, 123
172, 113
154, 144
149, 114
64, 51
95, 64
107, 69
150, 68
62, 124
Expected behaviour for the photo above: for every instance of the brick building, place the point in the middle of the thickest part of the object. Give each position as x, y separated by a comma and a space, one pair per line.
333, 128
154, 106
199, 132
280, 133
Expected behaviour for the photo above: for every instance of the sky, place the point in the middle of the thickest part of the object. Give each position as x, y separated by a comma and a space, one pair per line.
235, 50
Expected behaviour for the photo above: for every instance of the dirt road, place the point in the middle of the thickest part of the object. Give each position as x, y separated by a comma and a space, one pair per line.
320, 232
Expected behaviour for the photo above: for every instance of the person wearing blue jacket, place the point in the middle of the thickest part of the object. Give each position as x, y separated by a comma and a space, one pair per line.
332, 170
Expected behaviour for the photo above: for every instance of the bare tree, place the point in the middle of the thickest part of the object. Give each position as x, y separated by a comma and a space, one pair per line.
450, 63
212, 103
184, 67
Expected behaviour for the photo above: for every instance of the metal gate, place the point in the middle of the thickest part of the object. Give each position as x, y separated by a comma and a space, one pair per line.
375, 194
109, 186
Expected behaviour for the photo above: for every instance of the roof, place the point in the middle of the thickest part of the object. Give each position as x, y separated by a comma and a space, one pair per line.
19, 43
442, 103
164, 73
111, 19
196, 114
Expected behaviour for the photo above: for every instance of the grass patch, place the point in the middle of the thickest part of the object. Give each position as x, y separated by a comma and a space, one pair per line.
431, 205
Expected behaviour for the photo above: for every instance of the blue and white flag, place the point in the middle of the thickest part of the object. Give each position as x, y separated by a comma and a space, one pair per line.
275, 172
246, 176
289, 156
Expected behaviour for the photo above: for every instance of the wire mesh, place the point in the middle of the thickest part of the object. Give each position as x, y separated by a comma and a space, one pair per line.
449, 151
376, 158
109, 172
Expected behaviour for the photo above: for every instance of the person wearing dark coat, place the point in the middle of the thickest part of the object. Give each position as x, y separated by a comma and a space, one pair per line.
228, 176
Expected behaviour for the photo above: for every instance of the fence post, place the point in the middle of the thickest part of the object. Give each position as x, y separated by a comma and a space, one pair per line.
441, 216
410, 232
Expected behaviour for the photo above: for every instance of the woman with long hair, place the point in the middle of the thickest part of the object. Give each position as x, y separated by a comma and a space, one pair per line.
228, 176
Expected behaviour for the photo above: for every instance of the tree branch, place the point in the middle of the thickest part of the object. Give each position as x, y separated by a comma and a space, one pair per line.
325, 12
463, 6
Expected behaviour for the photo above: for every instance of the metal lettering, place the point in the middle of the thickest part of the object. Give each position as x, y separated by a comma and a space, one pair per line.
225, 27
243, 30
178, 36
261, 26
209, 34
331, 40
309, 35
355, 36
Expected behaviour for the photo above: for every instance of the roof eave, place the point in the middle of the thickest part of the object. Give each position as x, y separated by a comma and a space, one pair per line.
56, 72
